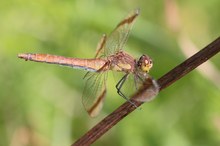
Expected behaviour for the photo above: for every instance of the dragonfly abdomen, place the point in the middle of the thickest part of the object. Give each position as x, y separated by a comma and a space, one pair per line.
85, 64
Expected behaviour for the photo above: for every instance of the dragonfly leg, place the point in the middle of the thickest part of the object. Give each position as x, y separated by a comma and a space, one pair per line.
119, 86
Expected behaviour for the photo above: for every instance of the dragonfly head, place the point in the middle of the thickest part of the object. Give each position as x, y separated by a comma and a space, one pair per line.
145, 63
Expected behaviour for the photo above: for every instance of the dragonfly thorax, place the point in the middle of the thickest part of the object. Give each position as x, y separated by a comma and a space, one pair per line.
145, 63
122, 61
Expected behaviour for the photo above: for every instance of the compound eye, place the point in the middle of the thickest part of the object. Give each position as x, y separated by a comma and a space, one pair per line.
146, 62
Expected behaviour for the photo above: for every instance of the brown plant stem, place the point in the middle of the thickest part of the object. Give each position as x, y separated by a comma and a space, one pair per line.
166, 80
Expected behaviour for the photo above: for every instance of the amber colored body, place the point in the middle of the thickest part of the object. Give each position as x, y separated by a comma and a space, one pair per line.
121, 61
109, 56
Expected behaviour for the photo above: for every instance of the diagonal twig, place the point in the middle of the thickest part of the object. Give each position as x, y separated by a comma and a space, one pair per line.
166, 80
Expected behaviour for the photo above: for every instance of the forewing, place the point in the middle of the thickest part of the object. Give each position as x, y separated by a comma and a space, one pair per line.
100, 47
94, 92
119, 36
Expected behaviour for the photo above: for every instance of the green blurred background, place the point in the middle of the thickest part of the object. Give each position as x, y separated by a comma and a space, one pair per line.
40, 104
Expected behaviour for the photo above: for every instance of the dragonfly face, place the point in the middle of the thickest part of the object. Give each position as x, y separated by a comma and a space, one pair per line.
109, 56
145, 63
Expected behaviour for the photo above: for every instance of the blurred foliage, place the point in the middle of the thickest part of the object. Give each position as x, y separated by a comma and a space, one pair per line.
40, 104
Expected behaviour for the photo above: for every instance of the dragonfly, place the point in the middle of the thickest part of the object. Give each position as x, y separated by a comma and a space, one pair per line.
109, 56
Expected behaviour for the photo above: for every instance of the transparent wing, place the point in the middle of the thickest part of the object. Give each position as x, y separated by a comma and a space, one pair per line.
94, 92
146, 83
117, 39
135, 82
129, 86
100, 47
